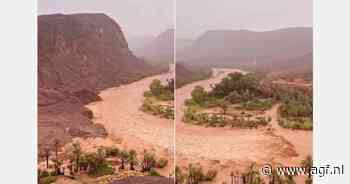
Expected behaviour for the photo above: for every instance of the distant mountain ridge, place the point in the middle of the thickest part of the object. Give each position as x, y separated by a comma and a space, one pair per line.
185, 73
230, 46
161, 48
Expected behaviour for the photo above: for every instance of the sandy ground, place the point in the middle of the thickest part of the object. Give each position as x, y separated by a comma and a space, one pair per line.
228, 149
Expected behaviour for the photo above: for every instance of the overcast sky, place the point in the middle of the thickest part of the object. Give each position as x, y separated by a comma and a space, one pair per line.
136, 17
193, 17
196, 16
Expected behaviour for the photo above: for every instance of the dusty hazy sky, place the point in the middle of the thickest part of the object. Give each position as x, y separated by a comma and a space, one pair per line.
136, 17
193, 17
196, 16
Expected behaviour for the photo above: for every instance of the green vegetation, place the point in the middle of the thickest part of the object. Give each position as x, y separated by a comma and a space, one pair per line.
194, 174
152, 107
257, 104
157, 94
244, 120
48, 180
247, 93
296, 123
186, 74
296, 109
95, 164
252, 175
236, 88
160, 91
161, 163
153, 172
100, 163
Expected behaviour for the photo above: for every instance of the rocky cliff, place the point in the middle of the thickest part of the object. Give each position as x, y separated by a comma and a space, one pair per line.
79, 55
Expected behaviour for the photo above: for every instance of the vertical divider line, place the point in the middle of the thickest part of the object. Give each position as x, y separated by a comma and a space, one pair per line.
174, 73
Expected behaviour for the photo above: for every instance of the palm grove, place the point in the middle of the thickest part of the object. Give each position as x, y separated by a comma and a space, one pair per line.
102, 162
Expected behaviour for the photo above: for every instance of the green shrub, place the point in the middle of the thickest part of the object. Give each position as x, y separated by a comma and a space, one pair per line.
257, 104
112, 152
149, 161
235, 97
48, 180
189, 114
165, 111
160, 91
179, 176
296, 123
102, 170
195, 173
246, 85
153, 172
147, 94
161, 163
43, 174
168, 112
295, 103
199, 95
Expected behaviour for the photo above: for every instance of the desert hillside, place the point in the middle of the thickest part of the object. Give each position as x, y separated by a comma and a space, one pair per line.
79, 55
246, 47
160, 48
186, 73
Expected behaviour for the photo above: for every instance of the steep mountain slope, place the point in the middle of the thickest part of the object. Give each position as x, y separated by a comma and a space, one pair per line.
186, 73
290, 69
78, 55
159, 49
227, 46
299, 63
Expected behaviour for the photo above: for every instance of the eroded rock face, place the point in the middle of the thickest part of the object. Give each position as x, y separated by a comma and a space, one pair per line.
79, 55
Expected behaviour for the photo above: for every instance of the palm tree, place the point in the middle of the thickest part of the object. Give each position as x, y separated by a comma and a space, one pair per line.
252, 176
179, 177
57, 165
100, 156
47, 156
132, 159
195, 174
77, 152
124, 155
148, 161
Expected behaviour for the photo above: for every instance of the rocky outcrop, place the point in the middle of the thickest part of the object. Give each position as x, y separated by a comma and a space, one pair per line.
79, 55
